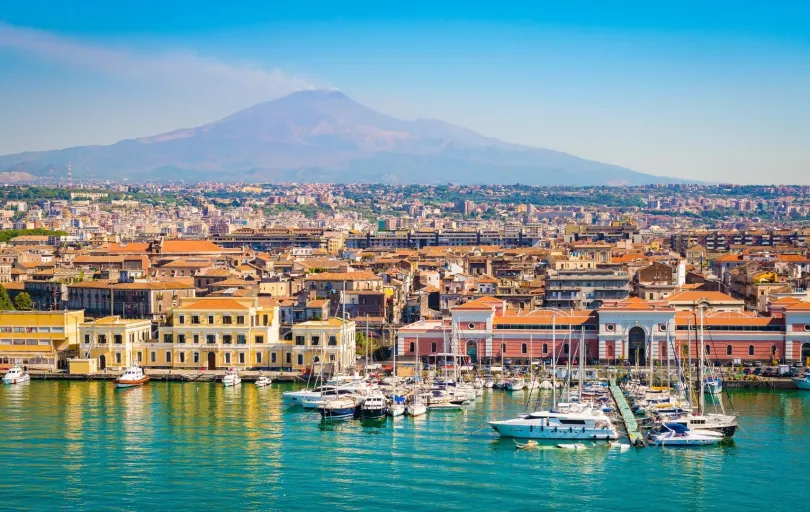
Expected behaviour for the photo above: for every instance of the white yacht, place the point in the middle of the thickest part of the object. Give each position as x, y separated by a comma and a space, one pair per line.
673, 434
338, 408
263, 381
567, 421
16, 375
374, 406
516, 384
132, 376
231, 378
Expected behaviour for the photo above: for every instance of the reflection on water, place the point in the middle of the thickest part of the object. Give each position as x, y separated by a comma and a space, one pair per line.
195, 445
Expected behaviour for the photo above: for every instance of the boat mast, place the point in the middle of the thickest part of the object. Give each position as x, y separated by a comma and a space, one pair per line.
689, 387
669, 358
553, 361
701, 399
650, 356
531, 365
367, 343
581, 360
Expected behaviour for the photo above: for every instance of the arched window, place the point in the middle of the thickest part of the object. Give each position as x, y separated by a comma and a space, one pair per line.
708, 350
750, 350
773, 350
545, 348
433, 347
565, 348
503, 348
412, 347
728, 350
524, 348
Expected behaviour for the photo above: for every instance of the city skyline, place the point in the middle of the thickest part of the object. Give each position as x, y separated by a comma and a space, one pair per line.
713, 94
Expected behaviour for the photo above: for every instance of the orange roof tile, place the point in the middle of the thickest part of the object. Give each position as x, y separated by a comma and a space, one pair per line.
214, 304
698, 295
482, 303
343, 276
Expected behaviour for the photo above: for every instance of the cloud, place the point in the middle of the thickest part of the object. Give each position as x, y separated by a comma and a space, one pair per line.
172, 70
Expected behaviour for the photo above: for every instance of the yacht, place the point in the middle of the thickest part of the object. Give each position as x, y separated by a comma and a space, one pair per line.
16, 375
338, 408
132, 376
515, 384
567, 421
397, 406
231, 378
802, 382
416, 407
263, 381
675, 434
374, 406
725, 424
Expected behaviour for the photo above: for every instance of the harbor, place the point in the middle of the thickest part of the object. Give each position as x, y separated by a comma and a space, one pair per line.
66, 438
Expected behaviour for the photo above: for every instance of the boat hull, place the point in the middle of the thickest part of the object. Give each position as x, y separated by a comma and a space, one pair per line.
416, 410
372, 414
17, 380
801, 383
341, 413
521, 431
130, 383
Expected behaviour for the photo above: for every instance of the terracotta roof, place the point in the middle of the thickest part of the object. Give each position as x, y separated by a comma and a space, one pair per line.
727, 318
487, 279
189, 246
698, 295
186, 264
548, 317
483, 303
343, 276
128, 248
636, 304
214, 304
800, 306
97, 259
728, 258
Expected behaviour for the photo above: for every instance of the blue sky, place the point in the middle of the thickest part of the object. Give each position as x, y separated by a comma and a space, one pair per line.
716, 92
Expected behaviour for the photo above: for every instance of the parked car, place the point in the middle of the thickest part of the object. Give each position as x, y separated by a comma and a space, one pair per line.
797, 364
747, 371
757, 371
768, 372
748, 364
795, 372
758, 364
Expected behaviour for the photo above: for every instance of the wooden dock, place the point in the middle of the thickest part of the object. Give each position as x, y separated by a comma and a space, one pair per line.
628, 418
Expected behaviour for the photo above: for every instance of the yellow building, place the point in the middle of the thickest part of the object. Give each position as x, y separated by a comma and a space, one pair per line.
39, 339
215, 332
114, 342
321, 341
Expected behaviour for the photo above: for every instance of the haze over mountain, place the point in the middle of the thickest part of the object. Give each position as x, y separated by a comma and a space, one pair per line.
324, 136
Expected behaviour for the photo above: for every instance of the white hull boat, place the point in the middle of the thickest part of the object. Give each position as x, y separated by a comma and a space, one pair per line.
263, 382
415, 409
586, 424
16, 375
132, 376
678, 435
231, 379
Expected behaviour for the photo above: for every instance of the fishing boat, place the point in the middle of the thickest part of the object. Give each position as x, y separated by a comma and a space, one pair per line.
802, 382
263, 381
132, 376
231, 378
373, 406
16, 375
675, 434
338, 408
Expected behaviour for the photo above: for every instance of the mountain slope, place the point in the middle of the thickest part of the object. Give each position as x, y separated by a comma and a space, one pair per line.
324, 136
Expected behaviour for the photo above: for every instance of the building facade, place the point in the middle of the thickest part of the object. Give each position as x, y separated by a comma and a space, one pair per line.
39, 339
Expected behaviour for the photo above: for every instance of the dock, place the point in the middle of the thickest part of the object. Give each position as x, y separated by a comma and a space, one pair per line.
172, 376
628, 418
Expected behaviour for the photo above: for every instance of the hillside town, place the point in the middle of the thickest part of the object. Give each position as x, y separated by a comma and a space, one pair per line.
287, 277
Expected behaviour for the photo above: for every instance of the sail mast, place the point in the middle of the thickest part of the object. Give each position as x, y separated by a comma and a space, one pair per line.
701, 399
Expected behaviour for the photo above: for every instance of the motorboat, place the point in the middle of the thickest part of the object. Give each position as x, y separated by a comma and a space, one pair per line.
802, 382
263, 381
338, 408
397, 406
132, 376
675, 434
373, 406
231, 378
572, 446
725, 424
16, 375
713, 385
489, 383
309, 398
566, 421
515, 384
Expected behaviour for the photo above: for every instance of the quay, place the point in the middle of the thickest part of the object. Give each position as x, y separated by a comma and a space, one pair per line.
172, 376
628, 418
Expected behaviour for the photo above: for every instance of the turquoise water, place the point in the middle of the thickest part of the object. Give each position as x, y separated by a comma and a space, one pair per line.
87, 446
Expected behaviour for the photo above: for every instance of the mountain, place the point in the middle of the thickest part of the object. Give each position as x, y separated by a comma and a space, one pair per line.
324, 136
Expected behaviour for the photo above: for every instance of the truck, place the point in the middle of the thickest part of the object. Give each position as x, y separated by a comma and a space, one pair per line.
783, 370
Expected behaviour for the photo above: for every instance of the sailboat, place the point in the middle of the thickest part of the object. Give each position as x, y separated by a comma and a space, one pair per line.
397, 405
417, 406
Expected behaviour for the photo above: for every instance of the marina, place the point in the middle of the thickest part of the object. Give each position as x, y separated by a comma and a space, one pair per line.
65, 436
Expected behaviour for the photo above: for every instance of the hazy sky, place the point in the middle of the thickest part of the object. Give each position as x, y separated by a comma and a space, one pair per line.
718, 92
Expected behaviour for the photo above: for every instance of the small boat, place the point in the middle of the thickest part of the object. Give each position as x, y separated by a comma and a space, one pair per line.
231, 378
528, 445
415, 409
713, 385
546, 385
263, 381
623, 447
338, 408
373, 406
515, 384
132, 376
676, 434
572, 446
802, 382
396, 407
489, 384
16, 375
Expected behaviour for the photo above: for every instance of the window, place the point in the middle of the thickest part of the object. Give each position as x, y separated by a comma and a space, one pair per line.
240, 339
807, 327
153, 356
433, 347
265, 320
258, 358
240, 319
181, 319
259, 339
289, 358
226, 320
773, 350
728, 350
300, 359
471, 325
545, 348
87, 338
226, 339
411, 347
750, 350
299, 340
102, 338
182, 357
503, 348
118, 357
241, 358
168, 357
118, 339
315, 340
195, 319
167, 338
708, 350
196, 338
181, 338
227, 358
196, 357
566, 348
333, 340
210, 338
610, 327
662, 327
524, 349
273, 357
211, 319
140, 357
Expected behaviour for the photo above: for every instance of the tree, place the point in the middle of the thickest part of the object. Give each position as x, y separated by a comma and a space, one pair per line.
5, 301
360, 344
23, 302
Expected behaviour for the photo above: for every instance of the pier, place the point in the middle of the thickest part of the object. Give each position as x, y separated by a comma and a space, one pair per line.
628, 418
172, 376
